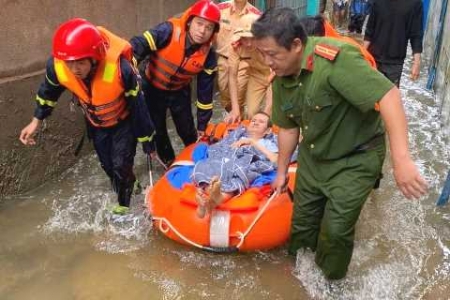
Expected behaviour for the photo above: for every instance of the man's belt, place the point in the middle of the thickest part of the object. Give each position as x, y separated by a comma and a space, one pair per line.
241, 58
369, 145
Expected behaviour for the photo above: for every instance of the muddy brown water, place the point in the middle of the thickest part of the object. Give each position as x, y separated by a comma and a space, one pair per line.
60, 242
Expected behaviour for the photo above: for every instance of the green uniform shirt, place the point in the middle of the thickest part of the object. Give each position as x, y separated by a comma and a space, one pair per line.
332, 101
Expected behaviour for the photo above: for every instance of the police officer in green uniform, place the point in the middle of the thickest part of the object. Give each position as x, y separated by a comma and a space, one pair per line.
326, 89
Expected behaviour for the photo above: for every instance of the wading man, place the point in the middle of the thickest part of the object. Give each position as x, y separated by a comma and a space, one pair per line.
326, 89
177, 51
95, 65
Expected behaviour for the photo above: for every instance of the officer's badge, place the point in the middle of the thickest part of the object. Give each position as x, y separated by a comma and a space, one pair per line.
326, 51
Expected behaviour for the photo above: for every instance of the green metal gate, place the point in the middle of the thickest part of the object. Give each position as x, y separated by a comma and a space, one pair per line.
302, 7
260, 4
298, 5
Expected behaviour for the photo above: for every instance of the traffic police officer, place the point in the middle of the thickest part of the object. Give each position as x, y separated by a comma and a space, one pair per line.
258, 86
231, 14
176, 51
325, 88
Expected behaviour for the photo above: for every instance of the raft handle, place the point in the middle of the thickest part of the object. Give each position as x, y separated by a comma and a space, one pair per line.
232, 249
162, 220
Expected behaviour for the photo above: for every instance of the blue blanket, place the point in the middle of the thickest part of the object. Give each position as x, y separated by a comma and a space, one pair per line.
238, 169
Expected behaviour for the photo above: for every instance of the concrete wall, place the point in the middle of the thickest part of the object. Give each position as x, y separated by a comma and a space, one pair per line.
26, 30
442, 84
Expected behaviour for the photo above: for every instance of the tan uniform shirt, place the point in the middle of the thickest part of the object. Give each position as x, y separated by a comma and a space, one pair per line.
257, 67
258, 77
229, 22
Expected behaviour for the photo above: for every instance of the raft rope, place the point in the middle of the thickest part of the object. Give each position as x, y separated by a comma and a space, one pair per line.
171, 227
159, 160
255, 220
241, 236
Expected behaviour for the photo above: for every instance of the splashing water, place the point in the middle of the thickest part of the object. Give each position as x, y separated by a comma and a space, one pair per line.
88, 210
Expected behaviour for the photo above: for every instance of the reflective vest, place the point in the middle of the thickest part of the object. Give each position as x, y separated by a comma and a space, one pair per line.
331, 32
169, 68
105, 106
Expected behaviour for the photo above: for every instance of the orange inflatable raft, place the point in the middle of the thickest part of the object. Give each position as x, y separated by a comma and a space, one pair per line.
253, 220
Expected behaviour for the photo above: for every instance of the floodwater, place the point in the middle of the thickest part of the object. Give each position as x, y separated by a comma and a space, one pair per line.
60, 241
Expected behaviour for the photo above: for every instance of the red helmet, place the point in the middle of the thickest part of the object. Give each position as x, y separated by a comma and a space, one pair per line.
76, 39
206, 9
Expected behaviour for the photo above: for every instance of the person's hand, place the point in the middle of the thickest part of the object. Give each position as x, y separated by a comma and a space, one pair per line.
200, 134
27, 133
409, 180
232, 117
415, 70
242, 142
148, 147
279, 185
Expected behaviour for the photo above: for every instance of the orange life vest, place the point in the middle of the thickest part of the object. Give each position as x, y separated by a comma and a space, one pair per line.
331, 32
106, 105
168, 68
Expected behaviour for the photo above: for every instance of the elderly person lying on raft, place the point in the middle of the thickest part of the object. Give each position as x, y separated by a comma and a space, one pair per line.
234, 163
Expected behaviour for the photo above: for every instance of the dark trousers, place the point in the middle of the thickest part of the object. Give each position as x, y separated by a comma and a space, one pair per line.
179, 105
116, 148
356, 23
393, 72
328, 199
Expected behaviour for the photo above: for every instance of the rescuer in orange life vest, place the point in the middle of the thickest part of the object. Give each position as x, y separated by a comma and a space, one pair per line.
176, 51
95, 65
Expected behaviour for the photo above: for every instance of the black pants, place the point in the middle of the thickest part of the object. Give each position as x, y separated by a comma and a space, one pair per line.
179, 104
393, 72
116, 148
356, 23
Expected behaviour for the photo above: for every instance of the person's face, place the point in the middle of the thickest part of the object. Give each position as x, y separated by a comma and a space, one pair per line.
240, 1
201, 30
282, 61
259, 125
246, 42
80, 67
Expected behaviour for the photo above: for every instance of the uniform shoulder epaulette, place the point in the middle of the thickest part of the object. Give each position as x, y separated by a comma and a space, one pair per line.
327, 51
254, 10
224, 5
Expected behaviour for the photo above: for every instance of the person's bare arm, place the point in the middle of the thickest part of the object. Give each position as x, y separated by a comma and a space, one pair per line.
272, 156
415, 69
287, 142
406, 174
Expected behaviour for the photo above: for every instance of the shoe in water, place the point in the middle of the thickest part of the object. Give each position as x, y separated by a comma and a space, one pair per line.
120, 210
